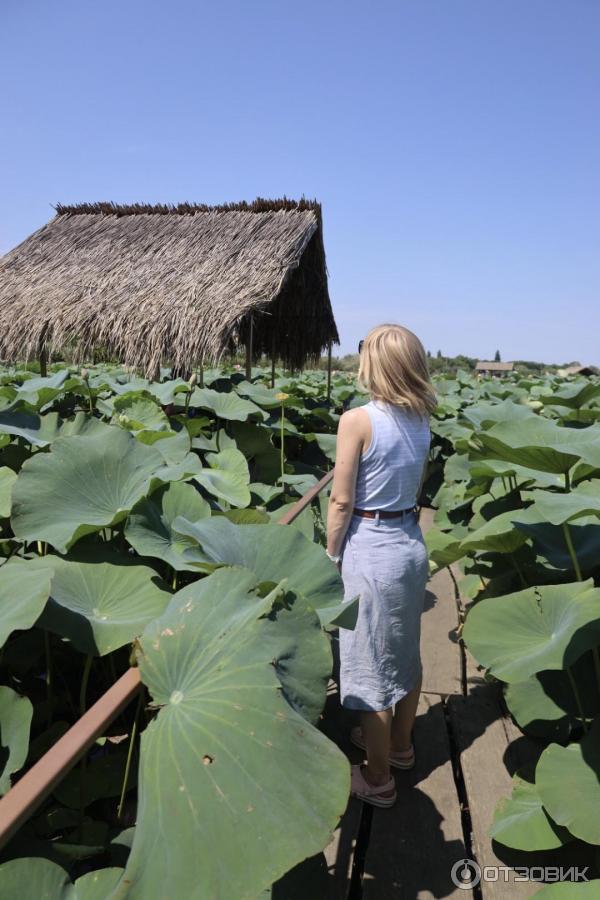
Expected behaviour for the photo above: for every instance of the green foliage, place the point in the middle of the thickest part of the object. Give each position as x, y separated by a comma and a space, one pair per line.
115, 492
519, 507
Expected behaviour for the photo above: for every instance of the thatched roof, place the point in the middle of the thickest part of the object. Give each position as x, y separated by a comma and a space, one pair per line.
483, 365
578, 370
179, 283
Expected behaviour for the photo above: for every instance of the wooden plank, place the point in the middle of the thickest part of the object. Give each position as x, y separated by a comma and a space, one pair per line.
440, 646
480, 733
337, 723
414, 845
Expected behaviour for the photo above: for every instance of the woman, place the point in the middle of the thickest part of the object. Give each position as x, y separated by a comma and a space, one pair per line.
373, 534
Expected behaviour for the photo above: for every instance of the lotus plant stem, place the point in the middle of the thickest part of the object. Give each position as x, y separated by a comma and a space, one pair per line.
577, 696
571, 549
218, 438
112, 667
132, 738
49, 679
282, 398
174, 581
567, 481
518, 569
596, 658
87, 667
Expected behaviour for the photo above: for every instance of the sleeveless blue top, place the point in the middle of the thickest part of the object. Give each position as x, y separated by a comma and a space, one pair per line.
389, 472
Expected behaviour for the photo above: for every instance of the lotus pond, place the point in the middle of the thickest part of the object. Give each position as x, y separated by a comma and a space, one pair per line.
517, 491
139, 526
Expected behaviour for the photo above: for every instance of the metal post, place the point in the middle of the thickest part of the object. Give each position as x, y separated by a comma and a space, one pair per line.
249, 352
329, 372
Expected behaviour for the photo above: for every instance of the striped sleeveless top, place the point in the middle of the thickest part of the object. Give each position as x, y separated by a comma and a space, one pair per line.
389, 472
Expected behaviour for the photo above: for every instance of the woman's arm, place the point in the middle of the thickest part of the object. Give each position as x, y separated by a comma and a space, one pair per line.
351, 438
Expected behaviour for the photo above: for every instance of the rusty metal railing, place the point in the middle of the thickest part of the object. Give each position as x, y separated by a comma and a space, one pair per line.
37, 783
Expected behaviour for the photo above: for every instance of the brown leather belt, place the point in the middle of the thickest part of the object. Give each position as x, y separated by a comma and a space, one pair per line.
383, 513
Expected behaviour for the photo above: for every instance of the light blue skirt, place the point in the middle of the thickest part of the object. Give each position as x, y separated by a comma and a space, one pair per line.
385, 564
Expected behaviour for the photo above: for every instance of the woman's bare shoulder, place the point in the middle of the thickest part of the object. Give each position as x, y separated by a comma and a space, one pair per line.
356, 421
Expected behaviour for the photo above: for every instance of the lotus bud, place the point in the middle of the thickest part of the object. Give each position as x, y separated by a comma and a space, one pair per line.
281, 397
85, 374
123, 420
193, 380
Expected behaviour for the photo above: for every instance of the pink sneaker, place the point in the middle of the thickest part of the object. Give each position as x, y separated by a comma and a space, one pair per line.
377, 795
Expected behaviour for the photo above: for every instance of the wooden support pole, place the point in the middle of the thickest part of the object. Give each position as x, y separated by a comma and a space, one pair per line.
329, 373
43, 362
249, 351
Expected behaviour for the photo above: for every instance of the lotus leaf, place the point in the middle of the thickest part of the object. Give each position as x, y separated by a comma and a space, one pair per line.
227, 478
225, 406
557, 508
226, 740
44, 880
15, 720
27, 582
273, 552
498, 535
100, 606
521, 822
546, 627
568, 782
84, 484
7, 479
149, 528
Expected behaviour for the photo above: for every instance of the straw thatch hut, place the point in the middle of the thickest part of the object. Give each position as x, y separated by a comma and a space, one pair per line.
184, 284
578, 370
487, 367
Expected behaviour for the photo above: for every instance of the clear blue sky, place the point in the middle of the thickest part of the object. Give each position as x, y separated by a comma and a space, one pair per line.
455, 144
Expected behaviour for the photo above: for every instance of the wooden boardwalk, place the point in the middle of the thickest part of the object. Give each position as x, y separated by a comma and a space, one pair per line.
467, 751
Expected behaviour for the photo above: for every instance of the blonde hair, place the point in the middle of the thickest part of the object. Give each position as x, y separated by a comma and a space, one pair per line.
393, 368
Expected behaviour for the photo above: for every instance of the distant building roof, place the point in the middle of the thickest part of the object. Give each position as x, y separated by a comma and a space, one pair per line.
578, 370
483, 365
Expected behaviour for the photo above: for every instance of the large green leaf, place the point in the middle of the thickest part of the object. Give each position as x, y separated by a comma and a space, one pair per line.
568, 781
149, 527
520, 821
539, 443
273, 552
82, 485
15, 720
41, 879
556, 508
40, 431
499, 535
573, 396
24, 591
443, 548
226, 740
227, 478
546, 627
224, 405
140, 413
545, 704
101, 606
7, 480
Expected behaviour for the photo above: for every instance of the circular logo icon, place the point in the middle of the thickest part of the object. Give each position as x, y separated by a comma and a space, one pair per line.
465, 874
